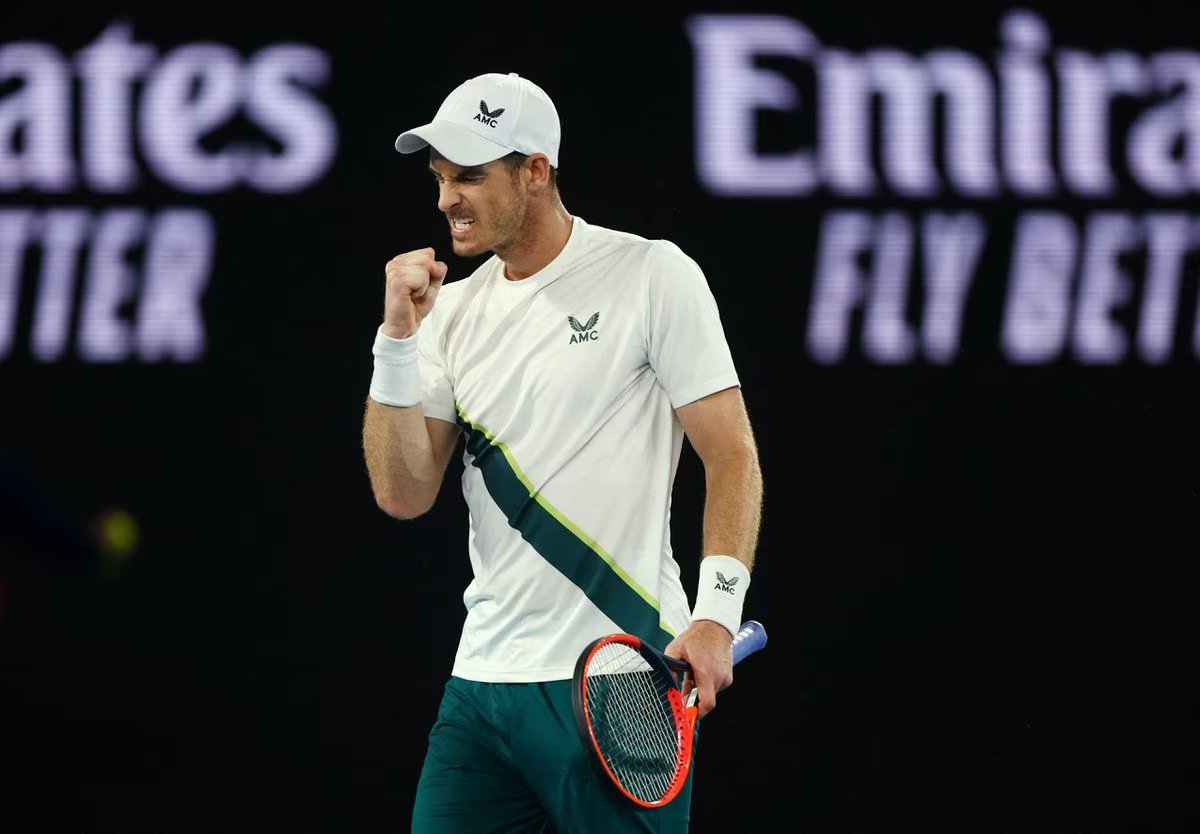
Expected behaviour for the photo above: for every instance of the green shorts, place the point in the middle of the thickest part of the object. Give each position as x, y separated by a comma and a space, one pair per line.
506, 757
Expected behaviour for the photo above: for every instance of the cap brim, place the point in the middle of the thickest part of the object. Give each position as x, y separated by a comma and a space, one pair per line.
456, 143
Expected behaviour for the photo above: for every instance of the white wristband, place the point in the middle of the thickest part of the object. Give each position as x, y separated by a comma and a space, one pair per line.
721, 590
397, 377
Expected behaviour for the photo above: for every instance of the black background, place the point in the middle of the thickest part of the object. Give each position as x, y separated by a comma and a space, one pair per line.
978, 578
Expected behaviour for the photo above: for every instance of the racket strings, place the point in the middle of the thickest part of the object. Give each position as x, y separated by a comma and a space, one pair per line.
634, 721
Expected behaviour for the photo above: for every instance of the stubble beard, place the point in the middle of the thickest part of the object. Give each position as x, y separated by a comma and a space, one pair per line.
510, 235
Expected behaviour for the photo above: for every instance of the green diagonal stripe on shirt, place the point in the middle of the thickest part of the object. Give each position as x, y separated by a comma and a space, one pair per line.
571, 551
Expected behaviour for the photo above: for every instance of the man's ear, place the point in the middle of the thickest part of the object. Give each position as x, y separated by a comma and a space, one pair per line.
538, 165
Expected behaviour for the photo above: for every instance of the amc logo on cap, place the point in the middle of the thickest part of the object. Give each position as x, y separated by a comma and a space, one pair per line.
488, 117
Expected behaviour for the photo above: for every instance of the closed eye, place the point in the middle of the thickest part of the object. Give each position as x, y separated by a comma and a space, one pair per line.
464, 178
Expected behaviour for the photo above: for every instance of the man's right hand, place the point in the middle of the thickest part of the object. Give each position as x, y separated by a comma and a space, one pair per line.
413, 281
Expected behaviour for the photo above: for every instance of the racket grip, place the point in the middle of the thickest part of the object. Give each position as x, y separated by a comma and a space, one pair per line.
751, 637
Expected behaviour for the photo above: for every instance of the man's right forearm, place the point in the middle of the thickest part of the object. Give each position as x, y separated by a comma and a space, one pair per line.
404, 471
405, 460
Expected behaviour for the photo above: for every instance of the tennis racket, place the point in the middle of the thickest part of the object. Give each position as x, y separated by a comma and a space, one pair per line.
633, 718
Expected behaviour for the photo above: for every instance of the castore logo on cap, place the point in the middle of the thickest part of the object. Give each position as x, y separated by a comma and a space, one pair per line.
488, 117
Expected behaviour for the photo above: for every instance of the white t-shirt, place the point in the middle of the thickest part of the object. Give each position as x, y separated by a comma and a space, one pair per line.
565, 384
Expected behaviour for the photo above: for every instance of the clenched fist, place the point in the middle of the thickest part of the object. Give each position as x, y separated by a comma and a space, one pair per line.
413, 281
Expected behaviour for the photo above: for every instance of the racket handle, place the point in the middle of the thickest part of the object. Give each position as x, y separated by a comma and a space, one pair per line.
751, 637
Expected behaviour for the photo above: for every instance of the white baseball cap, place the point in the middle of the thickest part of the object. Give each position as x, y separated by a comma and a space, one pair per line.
487, 117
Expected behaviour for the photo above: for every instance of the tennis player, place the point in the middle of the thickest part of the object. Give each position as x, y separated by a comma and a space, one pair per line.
572, 362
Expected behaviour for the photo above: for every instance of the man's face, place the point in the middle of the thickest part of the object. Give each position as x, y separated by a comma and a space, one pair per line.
484, 204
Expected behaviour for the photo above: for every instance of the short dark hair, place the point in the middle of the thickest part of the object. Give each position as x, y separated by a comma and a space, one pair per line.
516, 159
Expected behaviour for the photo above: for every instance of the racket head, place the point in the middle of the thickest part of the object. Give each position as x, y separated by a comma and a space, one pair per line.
633, 719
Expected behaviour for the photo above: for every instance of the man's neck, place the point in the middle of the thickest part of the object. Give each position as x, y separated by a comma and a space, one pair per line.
542, 240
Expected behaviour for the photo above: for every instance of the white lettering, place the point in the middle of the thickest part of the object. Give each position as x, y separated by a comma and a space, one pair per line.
951, 247
868, 262
730, 88
1170, 238
103, 333
164, 113
63, 234
196, 89
839, 283
107, 70
201, 120
35, 120
1037, 309
300, 123
844, 130
16, 227
908, 88
1103, 286
178, 259
1082, 91
144, 276
1037, 122
1025, 105
887, 336
1090, 84
1176, 122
